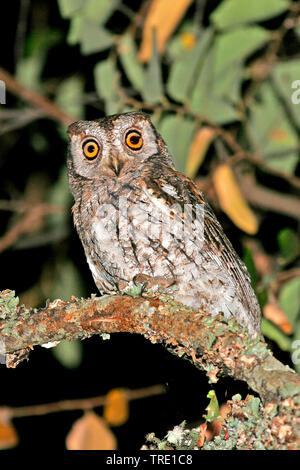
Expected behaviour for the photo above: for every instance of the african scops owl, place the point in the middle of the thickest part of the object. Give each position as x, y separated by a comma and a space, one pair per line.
141, 221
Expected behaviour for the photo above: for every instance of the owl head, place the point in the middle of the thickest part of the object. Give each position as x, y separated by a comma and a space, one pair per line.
112, 145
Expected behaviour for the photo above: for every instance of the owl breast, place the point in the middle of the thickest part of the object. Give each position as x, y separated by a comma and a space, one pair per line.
134, 229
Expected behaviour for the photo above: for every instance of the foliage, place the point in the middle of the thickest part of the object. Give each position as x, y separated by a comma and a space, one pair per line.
221, 81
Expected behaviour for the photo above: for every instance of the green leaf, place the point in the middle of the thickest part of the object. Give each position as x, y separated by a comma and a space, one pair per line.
289, 299
68, 96
289, 246
94, 38
284, 75
128, 56
233, 12
74, 33
213, 409
67, 281
106, 77
98, 11
271, 331
270, 132
105, 74
217, 89
238, 44
68, 8
68, 353
30, 67
210, 98
153, 85
177, 131
185, 69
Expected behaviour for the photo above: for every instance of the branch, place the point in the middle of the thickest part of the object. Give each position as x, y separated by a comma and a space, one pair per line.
36, 99
215, 345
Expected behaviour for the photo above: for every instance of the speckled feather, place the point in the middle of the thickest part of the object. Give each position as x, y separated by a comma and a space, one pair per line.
203, 266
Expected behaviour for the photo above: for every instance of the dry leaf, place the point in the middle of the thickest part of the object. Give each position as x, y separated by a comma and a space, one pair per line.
275, 314
8, 435
198, 149
232, 201
116, 407
163, 16
90, 433
202, 435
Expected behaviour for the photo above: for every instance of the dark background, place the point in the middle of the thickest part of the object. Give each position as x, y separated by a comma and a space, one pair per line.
125, 360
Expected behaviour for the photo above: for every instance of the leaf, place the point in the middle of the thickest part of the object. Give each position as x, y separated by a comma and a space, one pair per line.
116, 409
213, 410
68, 8
270, 132
67, 281
185, 69
128, 56
276, 315
30, 67
238, 44
153, 86
232, 201
289, 299
217, 88
106, 76
289, 245
68, 95
177, 45
271, 331
163, 16
74, 33
198, 149
68, 353
90, 433
8, 435
94, 38
233, 12
177, 132
284, 75
98, 12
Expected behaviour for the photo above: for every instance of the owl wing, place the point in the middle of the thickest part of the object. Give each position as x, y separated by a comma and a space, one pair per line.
175, 188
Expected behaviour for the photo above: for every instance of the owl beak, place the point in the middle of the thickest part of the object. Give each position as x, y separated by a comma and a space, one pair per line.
116, 164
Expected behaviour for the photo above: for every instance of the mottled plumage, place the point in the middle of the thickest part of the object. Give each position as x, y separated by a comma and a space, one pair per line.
140, 219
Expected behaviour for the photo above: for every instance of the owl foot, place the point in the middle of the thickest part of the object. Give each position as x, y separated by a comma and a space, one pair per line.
155, 284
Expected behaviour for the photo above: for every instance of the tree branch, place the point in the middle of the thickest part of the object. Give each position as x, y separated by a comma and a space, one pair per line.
218, 346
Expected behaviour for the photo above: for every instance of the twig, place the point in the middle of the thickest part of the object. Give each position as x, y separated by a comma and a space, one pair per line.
33, 212
36, 99
77, 404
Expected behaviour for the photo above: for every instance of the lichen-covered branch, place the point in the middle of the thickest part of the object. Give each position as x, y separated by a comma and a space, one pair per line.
218, 346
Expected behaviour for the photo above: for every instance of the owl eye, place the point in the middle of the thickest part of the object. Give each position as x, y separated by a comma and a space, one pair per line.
91, 149
134, 140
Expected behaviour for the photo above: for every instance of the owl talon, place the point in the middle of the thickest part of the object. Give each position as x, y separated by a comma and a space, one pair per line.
154, 283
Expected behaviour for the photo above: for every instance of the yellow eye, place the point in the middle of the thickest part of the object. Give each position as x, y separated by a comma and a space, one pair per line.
90, 149
134, 140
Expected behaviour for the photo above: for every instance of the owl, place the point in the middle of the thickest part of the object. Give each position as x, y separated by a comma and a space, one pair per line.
143, 222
